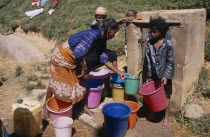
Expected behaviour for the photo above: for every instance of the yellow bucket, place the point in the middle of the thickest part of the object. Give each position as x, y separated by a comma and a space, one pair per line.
118, 93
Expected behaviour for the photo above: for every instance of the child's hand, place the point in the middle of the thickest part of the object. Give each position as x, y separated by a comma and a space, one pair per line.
164, 80
127, 19
148, 79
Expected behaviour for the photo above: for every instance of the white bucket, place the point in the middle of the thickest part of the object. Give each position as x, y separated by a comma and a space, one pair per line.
63, 127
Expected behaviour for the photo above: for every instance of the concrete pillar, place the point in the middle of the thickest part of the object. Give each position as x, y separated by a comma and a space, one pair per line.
187, 28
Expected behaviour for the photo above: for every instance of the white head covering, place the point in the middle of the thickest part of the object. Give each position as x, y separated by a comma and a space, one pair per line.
101, 11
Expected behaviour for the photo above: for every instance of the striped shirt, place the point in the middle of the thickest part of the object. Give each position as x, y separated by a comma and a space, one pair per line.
160, 61
85, 42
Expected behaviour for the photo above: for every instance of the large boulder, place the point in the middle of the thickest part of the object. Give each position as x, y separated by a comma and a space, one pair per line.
194, 111
18, 49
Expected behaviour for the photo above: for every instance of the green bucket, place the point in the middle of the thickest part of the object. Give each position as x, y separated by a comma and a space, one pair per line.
132, 85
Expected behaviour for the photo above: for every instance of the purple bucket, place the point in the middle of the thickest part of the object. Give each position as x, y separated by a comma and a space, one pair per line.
94, 91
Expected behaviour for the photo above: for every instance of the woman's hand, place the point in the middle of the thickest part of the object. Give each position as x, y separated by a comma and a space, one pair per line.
82, 74
84, 69
86, 76
164, 80
122, 75
111, 66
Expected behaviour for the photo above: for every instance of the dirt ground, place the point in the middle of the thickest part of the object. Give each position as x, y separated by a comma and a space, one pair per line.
14, 87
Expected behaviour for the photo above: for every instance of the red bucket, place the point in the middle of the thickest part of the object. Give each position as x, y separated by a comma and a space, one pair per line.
154, 95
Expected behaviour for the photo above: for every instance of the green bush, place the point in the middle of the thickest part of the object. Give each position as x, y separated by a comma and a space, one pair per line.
4, 3
19, 71
202, 87
32, 78
207, 42
198, 126
2, 76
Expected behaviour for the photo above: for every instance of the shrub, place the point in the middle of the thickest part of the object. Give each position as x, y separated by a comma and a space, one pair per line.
207, 42
40, 85
41, 96
202, 85
2, 76
32, 78
19, 71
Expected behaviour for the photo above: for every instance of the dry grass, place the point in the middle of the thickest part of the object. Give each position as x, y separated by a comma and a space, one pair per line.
44, 45
181, 130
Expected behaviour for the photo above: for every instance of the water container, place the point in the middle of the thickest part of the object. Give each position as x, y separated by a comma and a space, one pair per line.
116, 118
116, 78
27, 118
94, 91
132, 85
58, 108
133, 116
154, 95
63, 127
118, 93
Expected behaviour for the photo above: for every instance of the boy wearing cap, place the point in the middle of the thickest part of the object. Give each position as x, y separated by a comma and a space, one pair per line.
100, 16
92, 60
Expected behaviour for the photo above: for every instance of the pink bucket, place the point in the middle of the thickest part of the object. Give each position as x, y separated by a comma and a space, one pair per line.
154, 95
63, 127
58, 108
94, 93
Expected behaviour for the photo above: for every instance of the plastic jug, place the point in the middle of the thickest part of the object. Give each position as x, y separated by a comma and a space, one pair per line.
27, 116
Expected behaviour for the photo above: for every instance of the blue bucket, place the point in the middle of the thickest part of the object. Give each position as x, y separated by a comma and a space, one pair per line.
116, 118
116, 78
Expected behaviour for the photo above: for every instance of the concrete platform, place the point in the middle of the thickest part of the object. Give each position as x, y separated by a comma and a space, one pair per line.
142, 128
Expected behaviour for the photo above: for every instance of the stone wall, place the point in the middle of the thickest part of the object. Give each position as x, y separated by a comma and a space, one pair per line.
187, 28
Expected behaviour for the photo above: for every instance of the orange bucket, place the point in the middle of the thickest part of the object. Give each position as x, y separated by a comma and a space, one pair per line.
133, 116
57, 105
58, 108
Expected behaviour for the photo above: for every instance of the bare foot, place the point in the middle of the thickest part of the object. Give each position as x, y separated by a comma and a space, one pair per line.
151, 116
142, 118
46, 115
89, 112
165, 123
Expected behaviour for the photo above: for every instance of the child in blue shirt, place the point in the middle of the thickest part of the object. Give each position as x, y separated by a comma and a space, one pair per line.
160, 59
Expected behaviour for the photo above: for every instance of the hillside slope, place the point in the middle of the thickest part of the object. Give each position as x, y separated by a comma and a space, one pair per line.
71, 16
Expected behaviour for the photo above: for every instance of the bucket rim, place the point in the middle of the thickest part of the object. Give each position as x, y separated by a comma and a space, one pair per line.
96, 89
120, 81
117, 87
138, 106
62, 110
133, 78
70, 123
151, 92
130, 110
